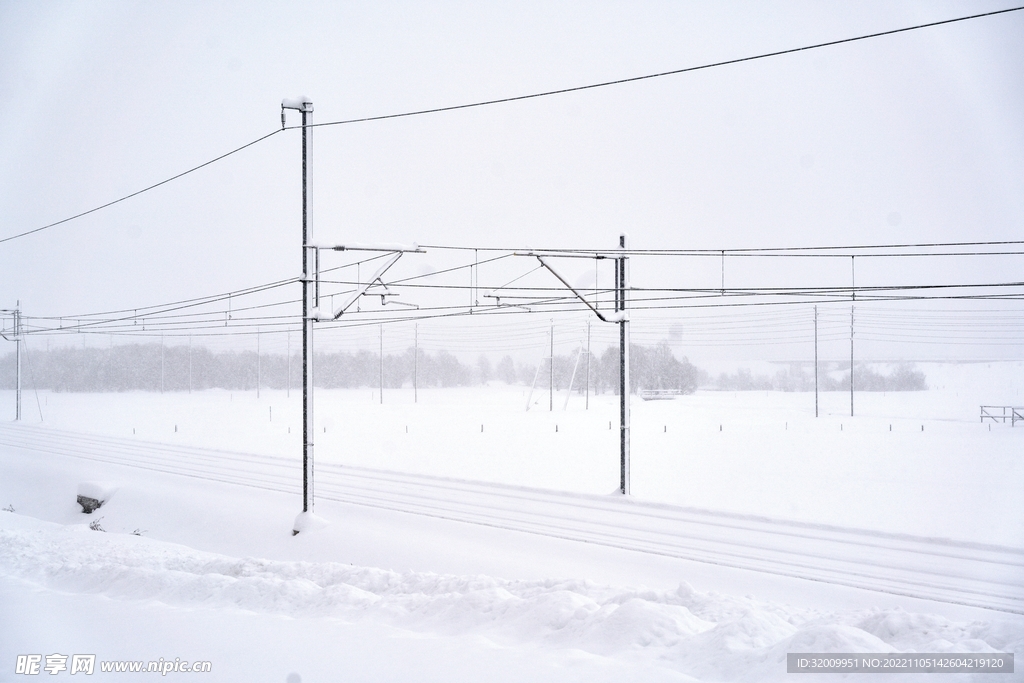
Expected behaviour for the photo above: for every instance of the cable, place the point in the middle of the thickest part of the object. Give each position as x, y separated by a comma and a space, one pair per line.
145, 189
662, 74
517, 98
755, 251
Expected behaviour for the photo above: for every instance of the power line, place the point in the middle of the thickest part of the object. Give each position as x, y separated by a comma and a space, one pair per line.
603, 253
138, 192
185, 303
674, 72
168, 318
517, 98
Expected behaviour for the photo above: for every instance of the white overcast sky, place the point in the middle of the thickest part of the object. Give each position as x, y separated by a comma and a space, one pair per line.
915, 137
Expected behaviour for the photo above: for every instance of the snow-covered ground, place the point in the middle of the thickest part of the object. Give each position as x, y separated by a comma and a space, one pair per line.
215, 574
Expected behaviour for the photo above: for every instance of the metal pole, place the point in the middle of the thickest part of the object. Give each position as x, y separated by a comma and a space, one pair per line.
415, 362
161, 363
532, 387
190, 363
258, 363
382, 364
288, 350
551, 369
572, 378
307, 341
17, 337
587, 403
815, 361
853, 278
853, 297
622, 287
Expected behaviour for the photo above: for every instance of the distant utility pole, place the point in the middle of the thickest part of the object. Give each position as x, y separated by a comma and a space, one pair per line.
161, 363
17, 337
382, 363
621, 290
415, 362
258, 363
288, 352
815, 361
723, 272
551, 369
851, 361
16, 334
853, 297
190, 363
587, 403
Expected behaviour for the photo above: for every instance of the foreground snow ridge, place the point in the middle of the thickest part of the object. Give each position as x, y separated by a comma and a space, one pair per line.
700, 634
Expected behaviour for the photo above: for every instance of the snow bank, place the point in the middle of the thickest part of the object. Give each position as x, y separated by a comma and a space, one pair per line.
706, 635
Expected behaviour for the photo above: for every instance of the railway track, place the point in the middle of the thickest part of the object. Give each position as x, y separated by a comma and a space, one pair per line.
959, 572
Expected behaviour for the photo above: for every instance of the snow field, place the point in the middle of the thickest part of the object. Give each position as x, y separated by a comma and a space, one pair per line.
184, 600
913, 462
214, 573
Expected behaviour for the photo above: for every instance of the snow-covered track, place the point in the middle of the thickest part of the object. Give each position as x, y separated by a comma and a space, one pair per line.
958, 572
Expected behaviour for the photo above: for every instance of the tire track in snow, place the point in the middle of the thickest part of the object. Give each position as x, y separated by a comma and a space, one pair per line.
959, 572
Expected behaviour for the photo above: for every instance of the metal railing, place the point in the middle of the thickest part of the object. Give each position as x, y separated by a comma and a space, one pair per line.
659, 394
1014, 414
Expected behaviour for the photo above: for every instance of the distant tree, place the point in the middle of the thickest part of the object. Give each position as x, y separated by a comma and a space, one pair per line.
483, 369
906, 378
506, 370
649, 368
526, 373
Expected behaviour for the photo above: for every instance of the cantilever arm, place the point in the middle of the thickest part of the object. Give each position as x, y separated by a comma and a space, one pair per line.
391, 260
617, 317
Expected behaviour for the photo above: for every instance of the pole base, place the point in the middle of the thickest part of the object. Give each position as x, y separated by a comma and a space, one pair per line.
307, 521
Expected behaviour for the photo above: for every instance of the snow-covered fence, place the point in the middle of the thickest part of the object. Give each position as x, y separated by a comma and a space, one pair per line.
660, 394
1014, 414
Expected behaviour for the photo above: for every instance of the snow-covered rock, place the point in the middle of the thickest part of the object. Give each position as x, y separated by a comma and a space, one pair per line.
93, 494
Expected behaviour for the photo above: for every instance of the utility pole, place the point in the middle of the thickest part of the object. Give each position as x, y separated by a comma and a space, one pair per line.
551, 369
621, 287
621, 317
17, 337
587, 403
258, 363
190, 363
382, 364
415, 362
853, 297
851, 361
305, 106
815, 361
723, 272
288, 352
161, 363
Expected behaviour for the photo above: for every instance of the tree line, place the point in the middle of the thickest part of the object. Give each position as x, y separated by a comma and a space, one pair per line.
154, 367
795, 377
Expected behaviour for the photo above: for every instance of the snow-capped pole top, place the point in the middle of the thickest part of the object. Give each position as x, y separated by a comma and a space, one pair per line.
301, 103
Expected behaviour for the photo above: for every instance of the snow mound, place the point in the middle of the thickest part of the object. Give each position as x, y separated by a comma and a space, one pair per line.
97, 490
705, 635
307, 521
